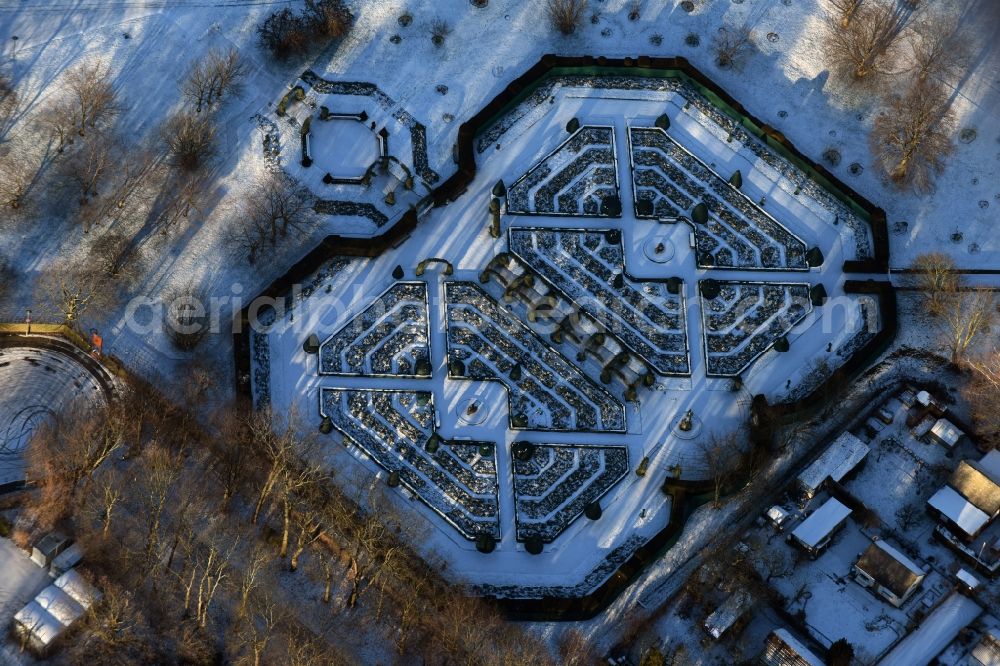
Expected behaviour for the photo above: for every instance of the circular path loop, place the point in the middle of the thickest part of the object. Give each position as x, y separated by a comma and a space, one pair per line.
41, 376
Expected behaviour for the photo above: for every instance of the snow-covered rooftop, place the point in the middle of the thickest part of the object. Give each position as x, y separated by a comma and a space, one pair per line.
890, 568
977, 486
958, 510
783, 649
990, 465
946, 432
843, 455
934, 633
726, 615
821, 523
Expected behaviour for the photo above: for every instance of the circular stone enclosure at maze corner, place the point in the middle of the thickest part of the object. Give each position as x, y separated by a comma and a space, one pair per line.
581, 428
42, 376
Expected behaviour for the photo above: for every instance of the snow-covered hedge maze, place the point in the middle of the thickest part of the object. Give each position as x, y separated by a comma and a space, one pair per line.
456, 480
556, 484
767, 160
738, 233
584, 266
485, 343
574, 179
389, 338
745, 319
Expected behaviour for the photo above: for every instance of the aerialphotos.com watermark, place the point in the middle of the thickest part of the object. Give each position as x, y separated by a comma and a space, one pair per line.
189, 314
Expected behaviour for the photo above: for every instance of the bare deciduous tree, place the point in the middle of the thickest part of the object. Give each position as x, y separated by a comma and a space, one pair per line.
937, 279
912, 137
185, 317
213, 77
566, 15
732, 45
58, 121
971, 314
67, 291
867, 46
284, 33
270, 210
8, 105
19, 173
87, 169
720, 455
575, 649
113, 256
93, 95
938, 51
190, 139
845, 10
327, 18
183, 194
983, 395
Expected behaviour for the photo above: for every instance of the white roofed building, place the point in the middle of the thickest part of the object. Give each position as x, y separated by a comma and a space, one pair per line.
838, 460
971, 500
814, 533
938, 629
946, 433
56, 608
728, 614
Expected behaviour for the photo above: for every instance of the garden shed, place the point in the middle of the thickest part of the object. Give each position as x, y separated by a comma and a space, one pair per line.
888, 573
815, 532
838, 460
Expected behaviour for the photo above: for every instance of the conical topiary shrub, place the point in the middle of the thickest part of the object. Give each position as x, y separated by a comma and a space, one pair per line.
573, 125
499, 189
534, 544
393, 480
326, 425
736, 180
485, 543
709, 288
311, 344
817, 295
611, 206
699, 214
433, 443
523, 451
814, 257
593, 511
781, 344
397, 273
663, 122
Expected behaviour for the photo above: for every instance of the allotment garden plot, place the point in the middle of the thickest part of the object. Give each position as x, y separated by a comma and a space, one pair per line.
536, 358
